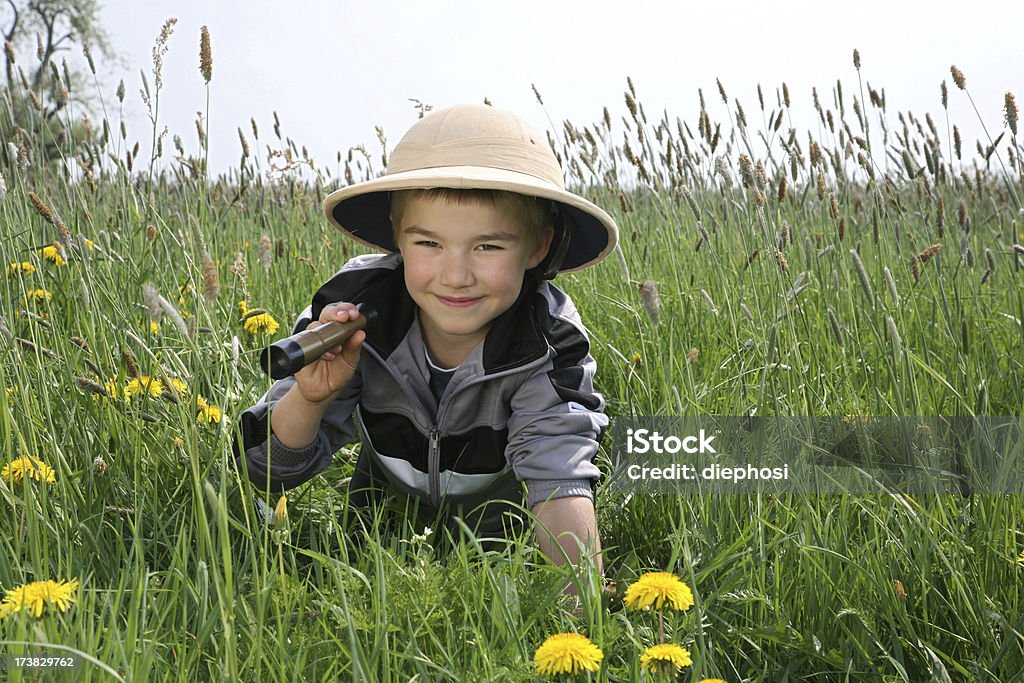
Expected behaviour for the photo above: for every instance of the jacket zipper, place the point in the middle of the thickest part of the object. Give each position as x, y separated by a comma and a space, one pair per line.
434, 451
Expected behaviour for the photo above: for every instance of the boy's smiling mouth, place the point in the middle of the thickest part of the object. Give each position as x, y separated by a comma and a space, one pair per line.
458, 302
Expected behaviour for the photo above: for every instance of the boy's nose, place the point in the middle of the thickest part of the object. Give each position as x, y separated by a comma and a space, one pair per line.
455, 272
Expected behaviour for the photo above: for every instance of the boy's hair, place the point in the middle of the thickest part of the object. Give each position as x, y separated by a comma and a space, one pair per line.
532, 213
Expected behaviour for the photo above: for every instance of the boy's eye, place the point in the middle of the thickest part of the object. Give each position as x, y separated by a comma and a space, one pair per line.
489, 247
427, 243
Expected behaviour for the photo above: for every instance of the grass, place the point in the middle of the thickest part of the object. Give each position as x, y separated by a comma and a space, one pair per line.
182, 580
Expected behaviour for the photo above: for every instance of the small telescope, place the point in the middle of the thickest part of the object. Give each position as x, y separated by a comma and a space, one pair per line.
287, 356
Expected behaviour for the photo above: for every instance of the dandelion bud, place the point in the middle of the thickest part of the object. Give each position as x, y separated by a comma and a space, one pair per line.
281, 512
205, 56
958, 77
651, 300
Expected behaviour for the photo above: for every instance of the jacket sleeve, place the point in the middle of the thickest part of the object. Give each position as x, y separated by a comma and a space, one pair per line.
557, 418
268, 461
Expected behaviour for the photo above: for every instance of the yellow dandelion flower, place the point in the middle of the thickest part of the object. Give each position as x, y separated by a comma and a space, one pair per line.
154, 327
243, 308
143, 384
20, 268
17, 469
89, 245
711, 680
209, 414
1020, 560
665, 655
566, 653
52, 254
113, 390
183, 292
657, 590
37, 295
263, 322
178, 385
34, 597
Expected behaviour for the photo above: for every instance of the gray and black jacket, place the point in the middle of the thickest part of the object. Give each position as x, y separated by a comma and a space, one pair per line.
520, 408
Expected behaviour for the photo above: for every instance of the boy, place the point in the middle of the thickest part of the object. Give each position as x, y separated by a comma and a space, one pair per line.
478, 377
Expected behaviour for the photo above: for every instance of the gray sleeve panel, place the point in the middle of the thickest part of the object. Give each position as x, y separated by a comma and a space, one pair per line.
287, 467
551, 438
539, 490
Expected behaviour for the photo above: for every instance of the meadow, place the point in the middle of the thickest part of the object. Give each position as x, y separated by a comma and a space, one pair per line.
869, 267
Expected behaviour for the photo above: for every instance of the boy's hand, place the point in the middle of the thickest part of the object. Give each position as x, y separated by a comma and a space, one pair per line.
321, 380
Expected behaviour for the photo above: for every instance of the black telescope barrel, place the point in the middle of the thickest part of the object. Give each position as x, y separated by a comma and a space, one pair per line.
287, 356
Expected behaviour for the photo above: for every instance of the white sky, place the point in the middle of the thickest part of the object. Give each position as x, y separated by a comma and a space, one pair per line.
333, 70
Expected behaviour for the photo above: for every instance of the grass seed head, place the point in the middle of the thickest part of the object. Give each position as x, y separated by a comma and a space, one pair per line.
894, 339
833, 323
205, 55
927, 253
1010, 108
651, 300
211, 281
131, 365
862, 277
958, 77
747, 171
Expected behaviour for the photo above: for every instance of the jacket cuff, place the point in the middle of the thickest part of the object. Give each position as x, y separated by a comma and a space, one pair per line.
539, 490
284, 456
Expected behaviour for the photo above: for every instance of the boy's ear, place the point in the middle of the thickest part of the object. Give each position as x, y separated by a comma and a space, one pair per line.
555, 245
543, 246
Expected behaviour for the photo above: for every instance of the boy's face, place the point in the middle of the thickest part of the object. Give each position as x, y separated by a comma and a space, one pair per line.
464, 266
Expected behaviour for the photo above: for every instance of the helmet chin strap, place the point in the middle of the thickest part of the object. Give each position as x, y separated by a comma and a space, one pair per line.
548, 268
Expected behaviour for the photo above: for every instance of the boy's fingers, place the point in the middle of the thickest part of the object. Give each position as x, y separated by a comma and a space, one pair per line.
340, 312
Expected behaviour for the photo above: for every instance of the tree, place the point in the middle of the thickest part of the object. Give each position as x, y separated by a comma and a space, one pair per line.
38, 89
